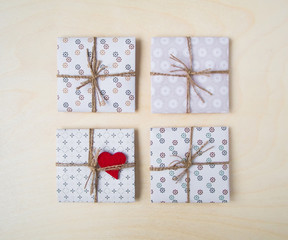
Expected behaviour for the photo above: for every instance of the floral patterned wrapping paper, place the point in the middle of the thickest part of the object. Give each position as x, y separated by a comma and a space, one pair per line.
208, 183
73, 147
117, 53
169, 93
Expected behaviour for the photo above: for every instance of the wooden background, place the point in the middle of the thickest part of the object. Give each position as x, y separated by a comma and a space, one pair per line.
29, 118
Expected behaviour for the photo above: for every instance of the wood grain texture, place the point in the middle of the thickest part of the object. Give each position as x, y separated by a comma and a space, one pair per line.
29, 119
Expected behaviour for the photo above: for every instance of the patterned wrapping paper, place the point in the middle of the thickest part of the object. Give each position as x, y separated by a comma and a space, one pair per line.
208, 183
169, 93
73, 147
118, 54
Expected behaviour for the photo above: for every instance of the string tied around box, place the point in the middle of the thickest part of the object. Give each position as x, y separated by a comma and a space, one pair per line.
94, 167
96, 68
186, 163
180, 66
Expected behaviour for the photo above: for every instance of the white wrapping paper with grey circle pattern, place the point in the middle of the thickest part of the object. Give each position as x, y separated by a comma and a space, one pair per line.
208, 183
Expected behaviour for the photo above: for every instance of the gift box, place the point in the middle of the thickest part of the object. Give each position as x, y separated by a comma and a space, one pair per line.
89, 161
190, 165
190, 74
96, 74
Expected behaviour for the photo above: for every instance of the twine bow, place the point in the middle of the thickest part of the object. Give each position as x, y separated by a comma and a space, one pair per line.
186, 163
94, 167
96, 68
189, 73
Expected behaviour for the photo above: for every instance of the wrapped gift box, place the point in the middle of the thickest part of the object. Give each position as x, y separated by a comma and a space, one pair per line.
169, 93
73, 148
209, 174
117, 92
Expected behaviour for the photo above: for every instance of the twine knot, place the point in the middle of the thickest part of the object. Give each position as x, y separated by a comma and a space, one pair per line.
95, 69
188, 162
205, 72
92, 168
190, 81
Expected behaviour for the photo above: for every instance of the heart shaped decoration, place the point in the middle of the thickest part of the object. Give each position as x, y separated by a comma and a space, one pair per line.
106, 159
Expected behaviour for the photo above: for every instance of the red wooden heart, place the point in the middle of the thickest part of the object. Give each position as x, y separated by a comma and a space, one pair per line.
106, 159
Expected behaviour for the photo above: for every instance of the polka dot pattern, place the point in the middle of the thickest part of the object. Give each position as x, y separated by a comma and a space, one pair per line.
118, 54
208, 183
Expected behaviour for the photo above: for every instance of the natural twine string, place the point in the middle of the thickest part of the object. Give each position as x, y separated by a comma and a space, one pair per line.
96, 69
187, 163
94, 167
188, 74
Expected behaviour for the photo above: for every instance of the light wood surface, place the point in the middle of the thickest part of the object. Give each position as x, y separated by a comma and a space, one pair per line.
29, 119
